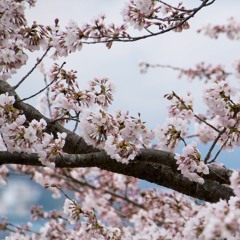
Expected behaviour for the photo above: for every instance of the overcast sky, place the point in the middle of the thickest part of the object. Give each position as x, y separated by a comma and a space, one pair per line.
134, 91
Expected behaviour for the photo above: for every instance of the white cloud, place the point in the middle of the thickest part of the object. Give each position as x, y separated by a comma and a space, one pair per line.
16, 198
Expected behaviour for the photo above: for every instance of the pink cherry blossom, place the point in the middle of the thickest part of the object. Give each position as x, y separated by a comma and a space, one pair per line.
52, 148
190, 163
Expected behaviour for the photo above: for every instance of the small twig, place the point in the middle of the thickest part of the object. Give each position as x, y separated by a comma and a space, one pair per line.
181, 138
34, 67
60, 189
4, 141
177, 9
48, 96
207, 4
76, 122
65, 118
163, 66
148, 31
211, 126
192, 136
24, 99
219, 151
213, 146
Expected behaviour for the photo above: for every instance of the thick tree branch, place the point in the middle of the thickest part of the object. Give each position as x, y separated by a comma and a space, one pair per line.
151, 165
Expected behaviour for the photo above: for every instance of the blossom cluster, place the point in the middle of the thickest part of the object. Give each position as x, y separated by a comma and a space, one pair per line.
235, 182
113, 206
67, 97
138, 13
72, 39
92, 227
93, 188
215, 221
120, 135
162, 219
170, 133
170, 216
203, 71
145, 14
182, 108
108, 191
221, 121
231, 30
225, 108
16, 37
20, 136
217, 98
190, 163
175, 127
158, 215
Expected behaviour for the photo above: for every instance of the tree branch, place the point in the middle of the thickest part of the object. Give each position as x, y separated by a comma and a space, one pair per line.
151, 165
34, 67
129, 38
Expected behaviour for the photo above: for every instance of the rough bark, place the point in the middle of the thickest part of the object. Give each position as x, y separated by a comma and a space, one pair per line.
155, 166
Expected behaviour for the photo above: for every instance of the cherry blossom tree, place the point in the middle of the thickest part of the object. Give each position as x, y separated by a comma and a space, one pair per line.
72, 142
